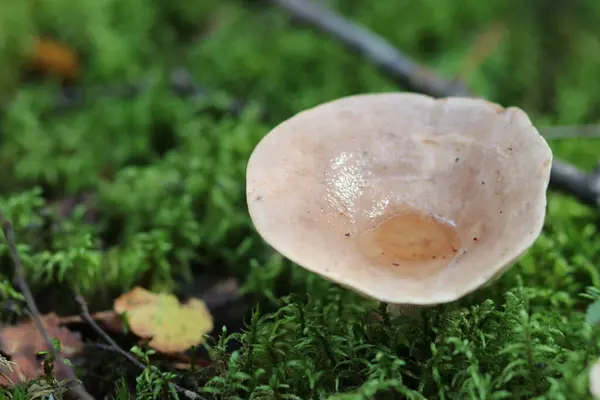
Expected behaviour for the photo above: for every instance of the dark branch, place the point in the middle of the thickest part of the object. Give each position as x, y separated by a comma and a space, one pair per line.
180, 81
415, 77
85, 314
374, 48
584, 186
9, 235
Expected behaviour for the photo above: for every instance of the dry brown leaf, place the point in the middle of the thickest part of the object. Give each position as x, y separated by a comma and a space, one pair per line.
55, 58
109, 320
22, 343
170, 326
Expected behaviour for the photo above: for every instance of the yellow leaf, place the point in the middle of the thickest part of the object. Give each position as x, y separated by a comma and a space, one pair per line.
172, 327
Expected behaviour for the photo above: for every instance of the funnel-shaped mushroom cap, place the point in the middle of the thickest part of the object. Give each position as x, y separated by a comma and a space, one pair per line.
399, 196
594, 380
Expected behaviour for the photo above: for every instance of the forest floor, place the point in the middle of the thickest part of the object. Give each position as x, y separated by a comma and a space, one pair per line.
124, 143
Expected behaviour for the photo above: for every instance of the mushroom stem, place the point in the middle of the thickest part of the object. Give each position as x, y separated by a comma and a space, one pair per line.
410, 310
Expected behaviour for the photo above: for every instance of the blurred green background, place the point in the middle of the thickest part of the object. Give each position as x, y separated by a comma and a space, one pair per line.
118, 191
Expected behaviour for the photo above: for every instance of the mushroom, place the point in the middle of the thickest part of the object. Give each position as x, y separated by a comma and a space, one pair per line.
404, 198
594, 380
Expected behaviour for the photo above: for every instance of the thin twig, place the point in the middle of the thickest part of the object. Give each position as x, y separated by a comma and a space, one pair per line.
105, 347
180, 81
377, 50
78, 389
590, 131
85, 314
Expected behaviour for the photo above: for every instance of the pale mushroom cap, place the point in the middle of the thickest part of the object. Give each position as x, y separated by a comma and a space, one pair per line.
401, 197
594, 380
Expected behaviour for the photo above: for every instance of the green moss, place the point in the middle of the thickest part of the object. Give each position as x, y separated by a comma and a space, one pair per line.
488, 350
160, 187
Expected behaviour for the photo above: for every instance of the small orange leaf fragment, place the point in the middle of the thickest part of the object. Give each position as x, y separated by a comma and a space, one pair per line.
170, 326
55, 58
483, 46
